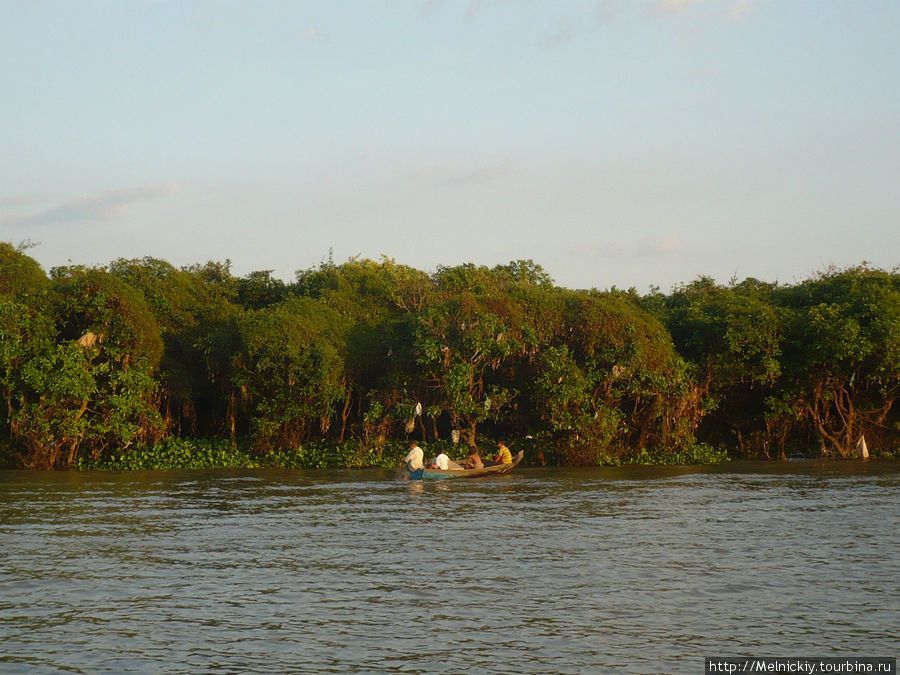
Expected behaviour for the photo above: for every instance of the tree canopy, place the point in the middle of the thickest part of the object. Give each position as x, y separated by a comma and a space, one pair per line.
108, 360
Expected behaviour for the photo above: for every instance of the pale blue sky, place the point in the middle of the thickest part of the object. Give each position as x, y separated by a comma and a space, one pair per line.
615, 142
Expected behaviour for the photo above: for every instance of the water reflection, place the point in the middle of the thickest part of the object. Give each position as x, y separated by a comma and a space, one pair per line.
633, 569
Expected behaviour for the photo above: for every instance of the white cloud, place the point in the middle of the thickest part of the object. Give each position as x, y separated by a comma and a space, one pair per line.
463, 176
311, 35
607, 11
104, 206
646, 247
738, 9
659, 247
561, 34
675, 6
29, 201
742, 8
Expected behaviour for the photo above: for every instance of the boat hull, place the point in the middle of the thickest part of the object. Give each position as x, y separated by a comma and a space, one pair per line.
495, 470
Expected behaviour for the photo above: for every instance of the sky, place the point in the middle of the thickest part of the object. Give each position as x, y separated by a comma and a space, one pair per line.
616, 143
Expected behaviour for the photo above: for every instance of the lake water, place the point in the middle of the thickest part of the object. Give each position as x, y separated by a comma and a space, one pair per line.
632, 570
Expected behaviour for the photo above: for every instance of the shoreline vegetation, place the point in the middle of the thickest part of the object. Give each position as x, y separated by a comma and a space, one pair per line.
177, 453
141, 365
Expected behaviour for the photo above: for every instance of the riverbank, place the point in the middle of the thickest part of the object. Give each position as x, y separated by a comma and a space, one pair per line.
198, 453
222, 454
213, 454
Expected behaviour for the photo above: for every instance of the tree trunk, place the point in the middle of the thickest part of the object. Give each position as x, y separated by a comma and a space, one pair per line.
434, 427
345, 414
232, 415
422, 427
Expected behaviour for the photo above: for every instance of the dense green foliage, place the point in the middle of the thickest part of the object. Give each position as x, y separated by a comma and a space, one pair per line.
127, 365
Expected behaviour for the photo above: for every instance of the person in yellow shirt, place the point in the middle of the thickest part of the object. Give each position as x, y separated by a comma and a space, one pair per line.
504, 456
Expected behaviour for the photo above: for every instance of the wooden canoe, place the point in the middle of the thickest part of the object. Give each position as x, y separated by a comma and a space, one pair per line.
494, 470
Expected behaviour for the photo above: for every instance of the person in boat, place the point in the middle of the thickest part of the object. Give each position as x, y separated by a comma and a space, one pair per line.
503, 456
442, 462
414, 460
474, 461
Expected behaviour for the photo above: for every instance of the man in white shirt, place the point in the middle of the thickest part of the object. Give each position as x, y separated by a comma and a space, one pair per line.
414, 458
442, 461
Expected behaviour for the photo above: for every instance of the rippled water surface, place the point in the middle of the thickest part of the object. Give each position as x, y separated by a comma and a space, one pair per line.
636, 570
